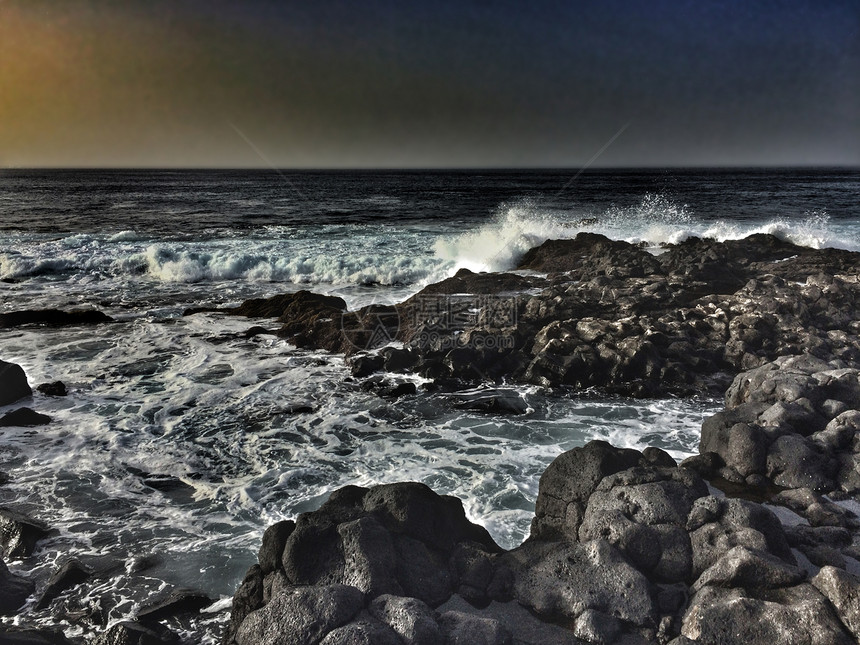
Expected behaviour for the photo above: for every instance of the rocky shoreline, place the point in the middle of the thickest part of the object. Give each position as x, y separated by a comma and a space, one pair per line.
754, 540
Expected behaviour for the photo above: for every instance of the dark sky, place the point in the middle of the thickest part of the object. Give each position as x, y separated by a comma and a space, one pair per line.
421, 84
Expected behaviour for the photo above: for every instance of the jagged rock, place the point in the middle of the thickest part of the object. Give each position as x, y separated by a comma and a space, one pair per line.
301, 615
57, 388
53, 318
569, 481
744, 567
817, 510
716, 525
843, 590
588, 255
72, 573
248, 597
462, 628
24, 418
495, 401
13, 383
643, 512
561, 579
180, 601
19, 534
272, 548
134, 633
20, 636
14, 591
596, 627
794, 462
392, 541
410, 618
799, 615
362, 632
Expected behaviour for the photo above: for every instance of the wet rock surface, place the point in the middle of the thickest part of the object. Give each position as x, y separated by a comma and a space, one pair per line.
608, 314
625, 547
13, 383
53, 317
754, 540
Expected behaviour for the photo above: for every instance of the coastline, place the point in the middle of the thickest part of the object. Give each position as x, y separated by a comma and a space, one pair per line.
589, 312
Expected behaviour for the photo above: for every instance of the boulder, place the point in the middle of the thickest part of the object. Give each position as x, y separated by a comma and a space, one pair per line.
53, 318
301, 615
750, 568
272, 548
57, 388
562, 580
798, 615
72, 573
23, 418
411, 619
134, 633
462, 628
22, 636
842, 589
19, 534
569, 481
14, 591
177, 602
716, 525
362, 632
13, 383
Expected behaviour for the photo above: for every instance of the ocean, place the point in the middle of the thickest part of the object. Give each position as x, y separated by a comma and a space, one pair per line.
181, 440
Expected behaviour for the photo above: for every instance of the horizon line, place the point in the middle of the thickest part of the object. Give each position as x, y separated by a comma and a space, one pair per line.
593, 169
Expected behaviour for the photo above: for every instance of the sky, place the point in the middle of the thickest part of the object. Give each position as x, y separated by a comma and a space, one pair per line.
392, 84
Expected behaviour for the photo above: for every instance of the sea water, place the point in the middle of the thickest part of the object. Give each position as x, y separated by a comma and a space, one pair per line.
181, 440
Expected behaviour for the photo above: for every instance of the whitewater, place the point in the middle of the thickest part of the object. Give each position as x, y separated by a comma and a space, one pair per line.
182, 439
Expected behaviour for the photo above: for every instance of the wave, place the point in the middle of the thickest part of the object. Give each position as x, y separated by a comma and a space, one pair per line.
173, 264
655, 221
385, 254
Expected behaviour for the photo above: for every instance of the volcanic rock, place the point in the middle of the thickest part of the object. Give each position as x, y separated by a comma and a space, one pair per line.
13, 383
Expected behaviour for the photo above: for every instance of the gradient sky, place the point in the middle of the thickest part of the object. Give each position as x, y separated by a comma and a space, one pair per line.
456, 84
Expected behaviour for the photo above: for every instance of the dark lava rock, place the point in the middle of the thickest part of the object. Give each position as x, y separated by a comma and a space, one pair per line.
13, 383
309, 319
53, 318
301, 615
14, 591
57, 388
797, 615
71, 574
569, 481
492, 401
462, 628
468, 282
288, 306
842, 589
19, 534
18, 636
24, 418
411, 619
562, 580
181, 601
134, 633
274, 541
589, 255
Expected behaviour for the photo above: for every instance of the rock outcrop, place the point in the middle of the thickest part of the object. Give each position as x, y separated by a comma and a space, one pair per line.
626, 547
609, 315
13, 383
754, 540
53, 317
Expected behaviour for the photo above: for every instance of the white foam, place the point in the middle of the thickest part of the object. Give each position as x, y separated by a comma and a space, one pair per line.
656, 220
